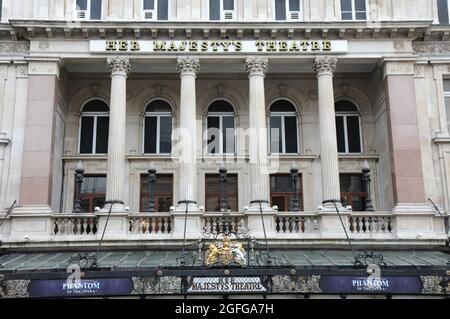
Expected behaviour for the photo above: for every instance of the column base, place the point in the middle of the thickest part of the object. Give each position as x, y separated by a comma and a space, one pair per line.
116, 206
329, 206
257, 205
192, 206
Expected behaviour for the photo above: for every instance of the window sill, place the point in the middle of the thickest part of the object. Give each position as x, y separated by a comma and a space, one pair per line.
293, 156
150, 156
358, 156
85, 157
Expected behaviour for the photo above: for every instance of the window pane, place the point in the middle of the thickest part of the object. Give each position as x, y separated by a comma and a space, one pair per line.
221, 106
280, 9
275, 135
347, 16
360, 5
360, 16
345, 106
96, 9
149, 4
353, 134
150, 135
294, 5
96, 106
282, 192
443, 11
282, 106
351, 183
214, 9
82, 4
340, 134
87, 134
228, 4
447, 86
447, 110
290, 126
228, 134
163, 9
93, 184
101, 146
213, 135
346, 5
165, 135
280, 184
158, 106
213, 192
163, 193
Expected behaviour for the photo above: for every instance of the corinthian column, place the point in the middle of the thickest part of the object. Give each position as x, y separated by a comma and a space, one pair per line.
325, 68
188, 68
256, 68
119, 68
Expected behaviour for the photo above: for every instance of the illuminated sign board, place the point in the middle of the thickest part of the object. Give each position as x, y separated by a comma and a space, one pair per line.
226, 285
219, 46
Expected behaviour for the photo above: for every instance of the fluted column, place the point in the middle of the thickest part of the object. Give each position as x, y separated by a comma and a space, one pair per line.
325, 68
256, 68
119, 68
188, 68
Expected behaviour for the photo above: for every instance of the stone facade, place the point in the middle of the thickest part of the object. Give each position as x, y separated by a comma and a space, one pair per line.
392, 70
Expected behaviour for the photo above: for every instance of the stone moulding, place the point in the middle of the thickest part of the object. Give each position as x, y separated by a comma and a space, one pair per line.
432, 48
14, 49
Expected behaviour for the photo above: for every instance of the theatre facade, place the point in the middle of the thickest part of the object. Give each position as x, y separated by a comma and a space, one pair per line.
220, 148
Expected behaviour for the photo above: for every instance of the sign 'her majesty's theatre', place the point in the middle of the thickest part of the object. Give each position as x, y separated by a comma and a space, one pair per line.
219, 46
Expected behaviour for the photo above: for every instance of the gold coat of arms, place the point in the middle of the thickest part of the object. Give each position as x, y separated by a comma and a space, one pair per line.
226, 253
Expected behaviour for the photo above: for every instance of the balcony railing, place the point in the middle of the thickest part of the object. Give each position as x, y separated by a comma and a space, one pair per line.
296, 223
150, 223
70, 224
371, 223
214, 223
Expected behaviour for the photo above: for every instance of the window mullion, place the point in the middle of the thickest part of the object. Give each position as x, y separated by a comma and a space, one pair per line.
346, 134
94, 136
221, 133
158, 135
283, 135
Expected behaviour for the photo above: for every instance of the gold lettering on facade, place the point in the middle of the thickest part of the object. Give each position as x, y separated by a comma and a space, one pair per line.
259, 45
135, 46
193, 46
283, 46
315, 46
123, 45
159, 46
304, 45
111, 45
326, 46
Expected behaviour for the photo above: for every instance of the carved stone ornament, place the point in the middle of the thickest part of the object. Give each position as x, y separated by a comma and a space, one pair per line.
188, 65
302, 284
156, 285
257, 65
14, 49
432, 48
431, 285
16, 288
325, 64
399, 68
119, 65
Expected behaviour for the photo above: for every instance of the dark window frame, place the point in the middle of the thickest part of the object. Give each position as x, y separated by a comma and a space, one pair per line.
217, 195
287, 195
347, 196
345, 115
92, 196
158, 115
95, 115
353, 12
283, 115
144, 194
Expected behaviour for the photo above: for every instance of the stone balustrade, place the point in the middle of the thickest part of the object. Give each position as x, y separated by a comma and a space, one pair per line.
214, 223
151, 223
294, 223
71, 224
369, 223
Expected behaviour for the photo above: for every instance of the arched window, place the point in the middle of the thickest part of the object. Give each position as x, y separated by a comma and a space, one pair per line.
158, 128
94, 128
221, 129
283, 128
348, 127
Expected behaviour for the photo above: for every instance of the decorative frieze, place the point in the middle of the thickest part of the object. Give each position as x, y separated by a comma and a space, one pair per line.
119, 65
302, 284
326, 64
44, 67
14, 49
22, 70
16, 288
258, 65
431, 48
398, 68
156, 285
432, 285
188, 64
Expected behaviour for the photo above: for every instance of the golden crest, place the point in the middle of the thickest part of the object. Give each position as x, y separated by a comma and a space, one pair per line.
225, 253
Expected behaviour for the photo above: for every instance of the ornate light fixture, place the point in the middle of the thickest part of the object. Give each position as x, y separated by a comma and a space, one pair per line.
79, 177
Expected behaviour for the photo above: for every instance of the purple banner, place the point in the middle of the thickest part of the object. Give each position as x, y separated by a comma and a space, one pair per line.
351, 284
85, 287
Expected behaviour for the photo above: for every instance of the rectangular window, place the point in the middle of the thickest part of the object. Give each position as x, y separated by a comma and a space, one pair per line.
101, 141
163, 193
213, 192
348, 133
88, 9
93, 192
447, 101
221, 10
158, 134
353, 10
443, 11
287, 10
1, 9
87, 134
283, 134
221, 134
282, 192
352, 191
155, 9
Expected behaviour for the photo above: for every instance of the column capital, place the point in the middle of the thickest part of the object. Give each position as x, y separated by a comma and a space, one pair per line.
119, 65
256, 65
326, 64
188, 65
